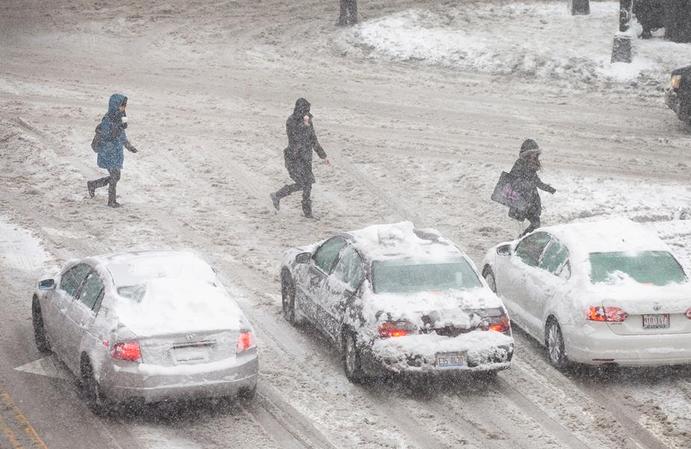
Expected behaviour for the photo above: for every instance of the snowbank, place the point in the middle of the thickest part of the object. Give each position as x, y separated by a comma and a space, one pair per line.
533, 40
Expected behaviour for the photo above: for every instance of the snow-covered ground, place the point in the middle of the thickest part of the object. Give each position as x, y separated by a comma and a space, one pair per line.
534, 40
210, 86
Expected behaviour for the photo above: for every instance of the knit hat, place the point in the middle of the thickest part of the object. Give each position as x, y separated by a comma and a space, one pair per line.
529, 146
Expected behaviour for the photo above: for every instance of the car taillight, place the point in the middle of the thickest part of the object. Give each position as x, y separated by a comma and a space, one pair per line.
688, 313
500, 324
389, 329
127, 350
245, 342
609, 314
676, 82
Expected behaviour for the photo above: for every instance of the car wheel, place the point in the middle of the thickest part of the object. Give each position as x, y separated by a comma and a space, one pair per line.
247, 394
351, 359
40, 337
488, 274
91, 390
554, 341
288, 298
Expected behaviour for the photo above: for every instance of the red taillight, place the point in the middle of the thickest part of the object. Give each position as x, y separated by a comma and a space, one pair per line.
389, 329
127, 350
500, 324
609, 314
245, 342
688, 313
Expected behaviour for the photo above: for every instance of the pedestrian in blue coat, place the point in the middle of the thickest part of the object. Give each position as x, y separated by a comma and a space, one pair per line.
111, 138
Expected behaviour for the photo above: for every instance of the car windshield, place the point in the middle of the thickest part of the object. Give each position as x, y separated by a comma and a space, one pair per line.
645, 267
405, 276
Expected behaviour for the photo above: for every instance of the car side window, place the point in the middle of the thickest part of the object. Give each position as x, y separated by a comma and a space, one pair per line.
326, 255
555, 257
531, 247
73, 278
92, 290
349, 268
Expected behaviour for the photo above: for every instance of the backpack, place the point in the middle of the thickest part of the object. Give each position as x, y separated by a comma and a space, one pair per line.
96, 141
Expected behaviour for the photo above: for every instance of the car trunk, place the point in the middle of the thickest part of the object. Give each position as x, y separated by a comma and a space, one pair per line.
189, 348
652, 311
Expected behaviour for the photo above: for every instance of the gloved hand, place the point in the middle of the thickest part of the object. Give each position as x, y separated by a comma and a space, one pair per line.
133, 149
551, 190
130, 147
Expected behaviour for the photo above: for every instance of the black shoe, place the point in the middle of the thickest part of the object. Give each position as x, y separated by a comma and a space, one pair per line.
307, 209
114, 204
276, 201
91, 189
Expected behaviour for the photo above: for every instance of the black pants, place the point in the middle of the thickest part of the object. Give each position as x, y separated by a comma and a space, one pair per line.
348, 12
534, 224
306, 192
111, 181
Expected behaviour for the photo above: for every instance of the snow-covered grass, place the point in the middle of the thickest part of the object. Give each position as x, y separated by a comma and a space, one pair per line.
535, 40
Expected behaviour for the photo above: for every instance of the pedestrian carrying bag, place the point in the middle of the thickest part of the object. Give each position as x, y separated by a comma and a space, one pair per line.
96, 141
507, 194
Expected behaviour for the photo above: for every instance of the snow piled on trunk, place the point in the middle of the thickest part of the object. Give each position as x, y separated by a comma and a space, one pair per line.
534, 40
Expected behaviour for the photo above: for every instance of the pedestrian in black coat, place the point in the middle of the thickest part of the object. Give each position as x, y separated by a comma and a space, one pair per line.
526, 181
302, 140
348, 14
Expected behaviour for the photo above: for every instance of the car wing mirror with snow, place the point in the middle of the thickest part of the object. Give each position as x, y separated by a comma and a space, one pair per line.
504, 250
303, 258
46, 284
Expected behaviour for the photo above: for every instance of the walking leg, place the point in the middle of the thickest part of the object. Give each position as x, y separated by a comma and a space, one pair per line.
353, 11
91, 186
112, 184
342, 18
282, 193
306, 200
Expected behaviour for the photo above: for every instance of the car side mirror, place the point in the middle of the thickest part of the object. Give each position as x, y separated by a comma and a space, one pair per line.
46, 284
303, 258
504, 250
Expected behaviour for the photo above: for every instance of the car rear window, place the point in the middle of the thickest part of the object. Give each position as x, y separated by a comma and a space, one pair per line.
401, 276
138, 270
645, 267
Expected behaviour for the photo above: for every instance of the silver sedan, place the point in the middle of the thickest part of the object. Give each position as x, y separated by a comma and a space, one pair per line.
146, 326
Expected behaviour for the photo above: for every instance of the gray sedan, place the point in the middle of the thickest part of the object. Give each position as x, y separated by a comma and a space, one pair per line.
146, 326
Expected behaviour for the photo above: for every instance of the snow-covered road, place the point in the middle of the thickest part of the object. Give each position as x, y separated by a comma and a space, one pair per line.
210, 85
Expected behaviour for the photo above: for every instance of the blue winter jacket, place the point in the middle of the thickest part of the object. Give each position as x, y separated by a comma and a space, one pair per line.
113, 137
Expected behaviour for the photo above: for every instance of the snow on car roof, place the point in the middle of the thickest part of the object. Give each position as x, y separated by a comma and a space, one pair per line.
403, 240
132, 268
613, 235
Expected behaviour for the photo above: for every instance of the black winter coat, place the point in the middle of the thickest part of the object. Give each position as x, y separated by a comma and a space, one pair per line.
302, 140
526, 181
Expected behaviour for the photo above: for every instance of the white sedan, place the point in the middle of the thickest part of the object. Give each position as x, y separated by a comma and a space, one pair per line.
145, 326
603, 293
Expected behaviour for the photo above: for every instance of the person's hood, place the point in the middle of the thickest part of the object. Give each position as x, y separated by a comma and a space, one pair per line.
302, 108
116, 100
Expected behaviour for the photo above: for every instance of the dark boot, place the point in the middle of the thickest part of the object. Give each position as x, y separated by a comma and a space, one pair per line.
307, 209
112, 183
91, 188
276, 201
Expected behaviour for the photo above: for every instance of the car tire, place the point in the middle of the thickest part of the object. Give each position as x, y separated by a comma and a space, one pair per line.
488, 274
352, 363
91, 390
554, 340
247, 394
40, 337
288, 298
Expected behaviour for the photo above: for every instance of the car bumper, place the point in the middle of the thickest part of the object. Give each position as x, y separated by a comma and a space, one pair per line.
596, 344
152, 383
411, 354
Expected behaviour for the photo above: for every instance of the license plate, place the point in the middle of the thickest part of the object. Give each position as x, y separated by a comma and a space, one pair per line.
450, 359
190, 355
660, 321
